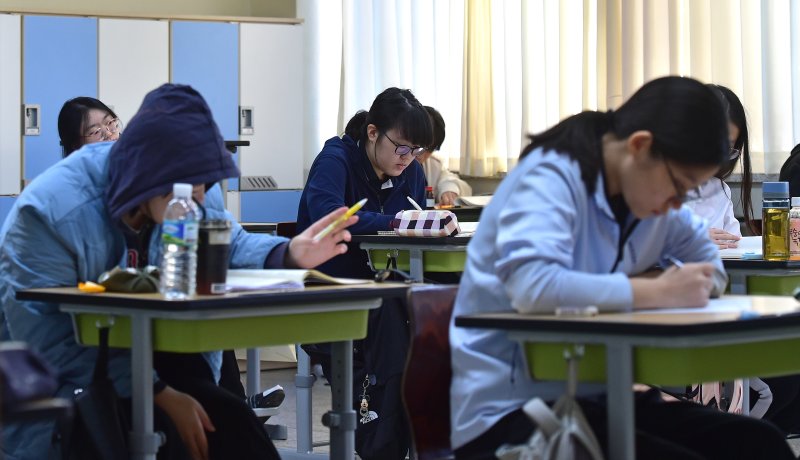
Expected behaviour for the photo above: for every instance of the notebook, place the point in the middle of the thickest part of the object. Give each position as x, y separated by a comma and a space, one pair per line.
749, 248
254, 279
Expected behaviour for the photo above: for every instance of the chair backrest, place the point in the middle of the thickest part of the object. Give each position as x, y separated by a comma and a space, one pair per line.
426, 380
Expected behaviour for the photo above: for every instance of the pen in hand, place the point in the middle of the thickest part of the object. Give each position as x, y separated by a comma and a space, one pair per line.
414, 203
677, 263
327, 230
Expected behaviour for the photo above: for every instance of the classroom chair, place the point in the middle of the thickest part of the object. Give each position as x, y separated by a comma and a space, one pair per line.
426, 380
287, 229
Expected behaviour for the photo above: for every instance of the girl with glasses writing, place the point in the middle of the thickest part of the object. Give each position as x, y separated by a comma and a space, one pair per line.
374, 159
593, 204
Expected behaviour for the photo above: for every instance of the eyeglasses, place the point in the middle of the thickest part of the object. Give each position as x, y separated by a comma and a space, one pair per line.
402, 149
112, 127
681, 194
734, 154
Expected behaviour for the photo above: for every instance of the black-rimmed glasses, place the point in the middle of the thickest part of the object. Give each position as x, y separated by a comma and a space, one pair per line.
734, 154
402, 149
681, 194
112, 127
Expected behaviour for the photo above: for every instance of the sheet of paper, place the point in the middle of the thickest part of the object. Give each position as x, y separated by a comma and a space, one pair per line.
723, 305
481, 200
254, 280
749, 248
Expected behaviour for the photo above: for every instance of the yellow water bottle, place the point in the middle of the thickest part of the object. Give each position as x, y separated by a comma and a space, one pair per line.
775, 220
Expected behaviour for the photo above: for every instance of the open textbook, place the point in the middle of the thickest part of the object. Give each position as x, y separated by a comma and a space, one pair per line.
749, 248
254, 279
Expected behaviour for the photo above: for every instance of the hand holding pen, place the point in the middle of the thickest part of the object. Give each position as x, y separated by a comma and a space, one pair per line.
686, 284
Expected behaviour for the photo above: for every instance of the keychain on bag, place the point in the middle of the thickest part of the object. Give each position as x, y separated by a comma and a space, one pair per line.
366, 414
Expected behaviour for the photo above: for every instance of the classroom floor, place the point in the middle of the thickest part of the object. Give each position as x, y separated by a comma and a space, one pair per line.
321, 403
321, 400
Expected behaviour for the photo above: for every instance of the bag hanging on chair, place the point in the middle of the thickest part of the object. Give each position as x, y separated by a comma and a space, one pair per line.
562, 433
98, 431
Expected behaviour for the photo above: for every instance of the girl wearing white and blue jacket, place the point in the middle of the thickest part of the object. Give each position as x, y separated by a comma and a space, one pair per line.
594, 202
74, 222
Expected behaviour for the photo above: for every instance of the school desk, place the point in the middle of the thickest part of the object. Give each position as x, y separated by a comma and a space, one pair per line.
663, 348
206, 323
762, 276
416, 254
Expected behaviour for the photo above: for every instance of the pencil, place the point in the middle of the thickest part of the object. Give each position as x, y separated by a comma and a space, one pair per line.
327, 230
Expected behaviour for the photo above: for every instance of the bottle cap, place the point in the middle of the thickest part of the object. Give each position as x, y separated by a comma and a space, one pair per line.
182, 190
775, 190
796, 201
429, 188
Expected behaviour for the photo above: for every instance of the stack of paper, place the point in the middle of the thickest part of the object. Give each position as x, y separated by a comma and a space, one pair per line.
749, 248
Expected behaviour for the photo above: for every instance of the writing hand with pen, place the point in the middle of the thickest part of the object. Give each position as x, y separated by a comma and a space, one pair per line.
679, 285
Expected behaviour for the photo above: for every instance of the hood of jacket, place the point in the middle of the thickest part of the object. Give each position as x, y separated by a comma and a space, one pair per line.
172, 138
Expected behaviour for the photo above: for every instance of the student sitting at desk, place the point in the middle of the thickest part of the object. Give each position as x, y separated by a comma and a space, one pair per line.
86, 120
374, 159
594, 202
712, 201
78, 220
447, 186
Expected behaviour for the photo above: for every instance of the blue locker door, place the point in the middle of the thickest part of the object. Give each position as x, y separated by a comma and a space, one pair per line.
205, 55
59, 63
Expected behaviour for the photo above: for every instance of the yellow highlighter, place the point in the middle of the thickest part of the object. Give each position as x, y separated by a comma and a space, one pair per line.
340, 220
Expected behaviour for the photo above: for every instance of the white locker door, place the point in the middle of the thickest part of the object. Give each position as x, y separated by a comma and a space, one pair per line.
133, 60
10, 104
271, 76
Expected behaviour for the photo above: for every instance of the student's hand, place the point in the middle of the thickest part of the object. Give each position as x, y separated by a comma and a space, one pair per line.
688, 286
304, 252
189, 418
723, 239
448, 198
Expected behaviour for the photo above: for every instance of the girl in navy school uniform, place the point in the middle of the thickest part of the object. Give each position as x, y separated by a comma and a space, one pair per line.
595, 202
374, 159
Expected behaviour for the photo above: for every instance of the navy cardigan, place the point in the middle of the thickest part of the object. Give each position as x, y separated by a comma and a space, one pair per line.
341, 176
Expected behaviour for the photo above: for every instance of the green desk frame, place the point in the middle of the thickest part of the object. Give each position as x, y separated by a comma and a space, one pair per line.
416, 255
624, 348
207, 323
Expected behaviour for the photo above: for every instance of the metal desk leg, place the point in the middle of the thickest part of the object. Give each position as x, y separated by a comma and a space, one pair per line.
415, 264
303, 382
738, 282
253, 371
342, 418
619, 378
144, 443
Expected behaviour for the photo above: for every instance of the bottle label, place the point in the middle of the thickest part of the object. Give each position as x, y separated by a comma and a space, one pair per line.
794, 239
180, 232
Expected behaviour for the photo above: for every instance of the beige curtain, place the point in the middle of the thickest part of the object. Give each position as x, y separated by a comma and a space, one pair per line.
478, 120
529, 64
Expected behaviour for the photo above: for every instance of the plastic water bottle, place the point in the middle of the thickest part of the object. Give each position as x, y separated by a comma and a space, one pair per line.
179, 245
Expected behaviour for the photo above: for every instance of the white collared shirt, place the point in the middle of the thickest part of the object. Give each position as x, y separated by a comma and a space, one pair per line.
716, 207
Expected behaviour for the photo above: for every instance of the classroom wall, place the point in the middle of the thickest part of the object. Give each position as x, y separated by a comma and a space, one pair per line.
256, 8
